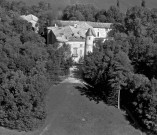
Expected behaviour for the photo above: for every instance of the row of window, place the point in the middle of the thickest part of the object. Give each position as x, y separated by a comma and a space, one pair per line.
75, 52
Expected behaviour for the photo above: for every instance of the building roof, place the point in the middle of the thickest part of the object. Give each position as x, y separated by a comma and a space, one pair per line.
100, 25
61, 39
76, 30
85, 24
69, 32
90, 32
30, 17
76, 39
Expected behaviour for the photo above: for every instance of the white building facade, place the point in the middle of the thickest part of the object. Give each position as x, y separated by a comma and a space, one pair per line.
77, 49
79, 35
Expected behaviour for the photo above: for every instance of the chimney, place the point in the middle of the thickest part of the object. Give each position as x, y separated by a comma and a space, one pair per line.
75, 25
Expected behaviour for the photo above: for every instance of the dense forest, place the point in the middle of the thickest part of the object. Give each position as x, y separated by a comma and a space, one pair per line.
28, 67
123, 72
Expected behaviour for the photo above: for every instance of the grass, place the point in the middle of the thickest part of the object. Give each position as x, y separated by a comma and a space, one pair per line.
100, 4
70, 113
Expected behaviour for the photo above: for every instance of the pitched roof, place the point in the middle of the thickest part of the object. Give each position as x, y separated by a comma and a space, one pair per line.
78, 24
30, 17
76, 39
99, 25
85, 24
90, 32
69, 32
62, 39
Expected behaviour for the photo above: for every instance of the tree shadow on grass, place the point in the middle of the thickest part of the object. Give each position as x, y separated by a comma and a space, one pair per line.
92, 93
134, 123
97, 95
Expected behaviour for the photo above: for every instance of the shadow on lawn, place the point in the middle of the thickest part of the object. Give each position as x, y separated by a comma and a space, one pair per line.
98, 96
92, 93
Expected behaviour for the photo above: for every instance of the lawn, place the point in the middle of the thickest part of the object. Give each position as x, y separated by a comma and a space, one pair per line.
72, 113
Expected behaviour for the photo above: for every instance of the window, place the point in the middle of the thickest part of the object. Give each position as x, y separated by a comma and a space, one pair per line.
75, 52
98, 34
80, 52
89, 38
81, 45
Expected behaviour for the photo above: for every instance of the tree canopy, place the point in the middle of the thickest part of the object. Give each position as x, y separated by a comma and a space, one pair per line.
122, 71
25, 66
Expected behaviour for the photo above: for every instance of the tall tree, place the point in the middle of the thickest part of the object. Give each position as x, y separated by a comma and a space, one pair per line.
24, 76
80, 12
143, 3
118, 4
114, 15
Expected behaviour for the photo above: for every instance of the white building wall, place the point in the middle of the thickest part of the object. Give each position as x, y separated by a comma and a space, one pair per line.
89, 44
77, 49
101, 32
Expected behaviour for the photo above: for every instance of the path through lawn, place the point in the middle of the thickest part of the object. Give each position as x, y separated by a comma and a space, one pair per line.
70, 113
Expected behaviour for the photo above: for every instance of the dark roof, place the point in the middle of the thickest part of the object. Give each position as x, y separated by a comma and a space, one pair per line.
90, 32
76, 39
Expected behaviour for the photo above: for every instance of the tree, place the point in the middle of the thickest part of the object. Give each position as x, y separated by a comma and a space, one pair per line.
154, 15
143, 3
79, 16
137, 21
126, 65
114, 15
59, 61
106, 70
79, 12
4, 4
101, 16
24, 76
141, 101
118, 4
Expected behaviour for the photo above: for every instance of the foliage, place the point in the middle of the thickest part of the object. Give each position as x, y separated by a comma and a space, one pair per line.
59, 61
90, 13
106, 69
126, 66
79, 12
142, 100
22, 100
120, 68
24, 72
